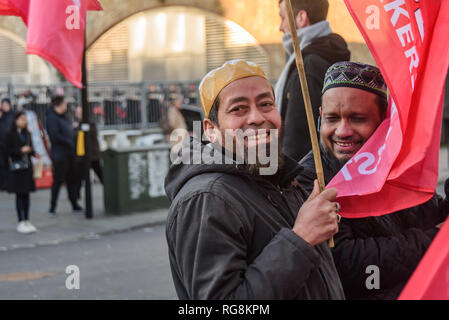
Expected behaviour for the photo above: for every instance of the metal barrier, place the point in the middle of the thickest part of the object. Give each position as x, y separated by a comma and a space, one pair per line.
112, 105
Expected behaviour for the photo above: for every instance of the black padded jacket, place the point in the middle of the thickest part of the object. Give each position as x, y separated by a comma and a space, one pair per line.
395, 242
230, 236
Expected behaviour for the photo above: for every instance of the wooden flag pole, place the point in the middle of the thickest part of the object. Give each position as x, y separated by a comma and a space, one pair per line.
307, 103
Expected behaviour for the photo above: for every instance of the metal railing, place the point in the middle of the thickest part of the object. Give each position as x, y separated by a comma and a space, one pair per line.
112, 105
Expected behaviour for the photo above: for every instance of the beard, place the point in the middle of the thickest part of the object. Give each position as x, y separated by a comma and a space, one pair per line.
334, 163
262, 158
259, 167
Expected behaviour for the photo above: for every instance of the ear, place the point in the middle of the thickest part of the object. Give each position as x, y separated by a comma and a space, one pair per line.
302, 20
321, 111
210, 130
318, 124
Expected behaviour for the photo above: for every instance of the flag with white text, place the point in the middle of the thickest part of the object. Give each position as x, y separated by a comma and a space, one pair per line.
398, 166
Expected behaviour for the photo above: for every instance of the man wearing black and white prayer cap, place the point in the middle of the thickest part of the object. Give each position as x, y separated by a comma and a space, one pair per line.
354, 103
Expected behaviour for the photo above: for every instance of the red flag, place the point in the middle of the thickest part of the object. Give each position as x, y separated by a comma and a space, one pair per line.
6, 9
20, 8
398, 167
94, 5
15, 8
55, 31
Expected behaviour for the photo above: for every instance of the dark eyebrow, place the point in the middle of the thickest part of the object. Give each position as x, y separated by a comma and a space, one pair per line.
267, 94
238, 99
330, 113
358, 114
264, 95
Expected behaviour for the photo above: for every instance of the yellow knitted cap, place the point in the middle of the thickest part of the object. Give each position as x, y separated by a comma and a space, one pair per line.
217, 79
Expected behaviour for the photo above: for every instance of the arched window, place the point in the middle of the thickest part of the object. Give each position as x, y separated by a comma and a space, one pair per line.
171, 43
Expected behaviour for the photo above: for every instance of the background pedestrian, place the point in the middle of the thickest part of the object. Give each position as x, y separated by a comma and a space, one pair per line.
20, 180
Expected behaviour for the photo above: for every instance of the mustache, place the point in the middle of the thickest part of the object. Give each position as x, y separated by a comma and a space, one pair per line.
355, 139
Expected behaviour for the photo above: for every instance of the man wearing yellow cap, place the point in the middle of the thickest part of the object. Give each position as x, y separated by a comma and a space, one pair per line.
234, 232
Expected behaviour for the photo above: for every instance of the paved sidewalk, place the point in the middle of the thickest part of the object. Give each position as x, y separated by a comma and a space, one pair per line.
66, 226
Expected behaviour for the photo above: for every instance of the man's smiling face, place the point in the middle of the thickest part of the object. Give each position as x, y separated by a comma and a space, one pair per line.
349, 116
248, 123
248, 105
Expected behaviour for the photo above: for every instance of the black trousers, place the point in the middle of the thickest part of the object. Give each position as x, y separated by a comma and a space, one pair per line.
63, 171
80, 169
3, 177
23, 206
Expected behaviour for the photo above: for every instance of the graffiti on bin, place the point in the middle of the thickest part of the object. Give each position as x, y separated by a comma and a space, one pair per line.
138, 181
157, 170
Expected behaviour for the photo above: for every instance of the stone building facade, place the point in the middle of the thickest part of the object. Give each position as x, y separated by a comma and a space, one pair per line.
227, 29
259, 18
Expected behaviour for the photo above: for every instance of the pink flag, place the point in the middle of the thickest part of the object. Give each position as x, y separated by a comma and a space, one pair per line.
15, 8
20, 7
56, 31
94, 5
398, 167
430, 281
6, 9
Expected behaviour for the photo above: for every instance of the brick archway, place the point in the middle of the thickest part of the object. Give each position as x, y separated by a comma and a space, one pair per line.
116, 11
211, 40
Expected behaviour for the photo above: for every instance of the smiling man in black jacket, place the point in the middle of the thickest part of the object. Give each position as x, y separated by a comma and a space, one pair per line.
354, 105
233, 232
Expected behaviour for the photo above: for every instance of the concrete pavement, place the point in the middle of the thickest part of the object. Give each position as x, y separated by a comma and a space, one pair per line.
68, 226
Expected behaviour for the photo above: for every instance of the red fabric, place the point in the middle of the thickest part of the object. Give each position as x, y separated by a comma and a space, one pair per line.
430, 281
51, 34
94, 5
46, 180
6, 9
15, 8
20, 7
398, 167
50, 37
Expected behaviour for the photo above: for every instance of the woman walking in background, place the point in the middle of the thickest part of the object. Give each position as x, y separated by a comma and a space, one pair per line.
21, 181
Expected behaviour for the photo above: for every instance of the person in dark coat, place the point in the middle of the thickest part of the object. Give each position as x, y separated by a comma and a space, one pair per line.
6, 118
234, 230
95, 154
352, 110
21, 182
62, 153
320, 49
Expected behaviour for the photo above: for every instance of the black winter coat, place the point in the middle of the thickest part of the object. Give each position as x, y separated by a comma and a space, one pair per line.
394, 242
318, 57
5, 124
21, 181
61, 136
230, 236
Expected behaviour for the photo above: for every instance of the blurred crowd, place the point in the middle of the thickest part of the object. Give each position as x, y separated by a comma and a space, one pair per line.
17, 170
61, 120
